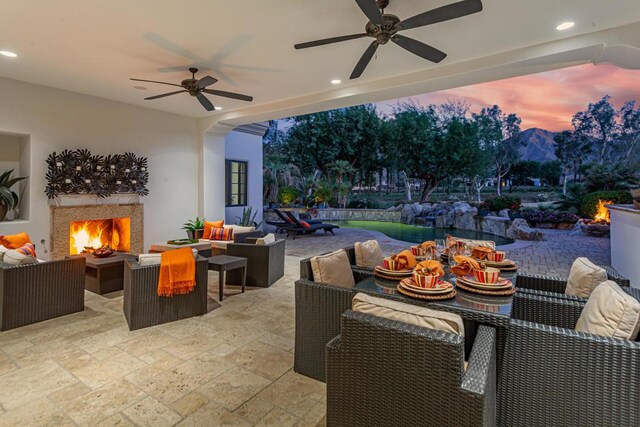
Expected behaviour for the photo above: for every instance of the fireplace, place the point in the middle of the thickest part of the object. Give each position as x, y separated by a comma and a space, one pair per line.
75, 227
89, 235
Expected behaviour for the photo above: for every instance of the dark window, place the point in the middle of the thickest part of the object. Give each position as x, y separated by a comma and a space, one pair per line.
236, 182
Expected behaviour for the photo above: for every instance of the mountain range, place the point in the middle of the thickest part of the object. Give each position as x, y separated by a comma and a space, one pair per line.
539, 146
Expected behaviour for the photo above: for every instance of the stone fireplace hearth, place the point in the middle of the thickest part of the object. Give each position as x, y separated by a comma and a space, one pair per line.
63, 216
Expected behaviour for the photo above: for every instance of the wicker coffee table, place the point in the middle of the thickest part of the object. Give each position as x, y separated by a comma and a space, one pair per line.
224, 263
204, 249
103, 275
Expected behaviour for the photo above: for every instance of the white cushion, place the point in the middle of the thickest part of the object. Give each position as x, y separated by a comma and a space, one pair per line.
266, 240
408, 313
155, 258
610, 312
368, 254
240, 229
333, 269
584, 277
3, 250
14, 257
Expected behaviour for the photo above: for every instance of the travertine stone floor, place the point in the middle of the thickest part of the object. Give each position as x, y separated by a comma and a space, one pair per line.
229, 367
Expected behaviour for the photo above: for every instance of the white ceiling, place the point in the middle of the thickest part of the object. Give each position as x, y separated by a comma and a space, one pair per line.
94, 46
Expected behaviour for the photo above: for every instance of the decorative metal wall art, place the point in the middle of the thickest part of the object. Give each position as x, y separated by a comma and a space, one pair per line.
80, 172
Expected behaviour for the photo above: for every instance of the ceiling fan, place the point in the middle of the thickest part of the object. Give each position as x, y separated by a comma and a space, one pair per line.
198, 87
384, 27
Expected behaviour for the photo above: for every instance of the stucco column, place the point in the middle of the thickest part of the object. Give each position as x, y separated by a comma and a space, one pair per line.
211, 167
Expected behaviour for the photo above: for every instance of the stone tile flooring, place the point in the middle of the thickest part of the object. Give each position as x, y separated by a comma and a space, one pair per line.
229, 367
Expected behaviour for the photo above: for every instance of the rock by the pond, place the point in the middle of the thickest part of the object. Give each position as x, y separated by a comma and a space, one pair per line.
520, 229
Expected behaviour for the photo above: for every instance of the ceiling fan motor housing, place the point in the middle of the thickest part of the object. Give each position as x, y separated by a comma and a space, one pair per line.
383, 33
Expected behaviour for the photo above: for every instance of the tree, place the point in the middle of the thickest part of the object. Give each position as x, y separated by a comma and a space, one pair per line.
571, 151
522, 172
499, 136
277, 173
629, 138
598, 127
343, 171
551, 172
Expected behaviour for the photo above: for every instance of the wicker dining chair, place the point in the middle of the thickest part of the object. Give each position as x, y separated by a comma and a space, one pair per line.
382, 372
553, 375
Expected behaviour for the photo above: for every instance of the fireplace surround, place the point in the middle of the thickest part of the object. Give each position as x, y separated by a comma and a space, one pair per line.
63, 216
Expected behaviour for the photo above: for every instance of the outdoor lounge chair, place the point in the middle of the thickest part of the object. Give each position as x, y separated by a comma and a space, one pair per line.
553, 375
298, 228
382, 372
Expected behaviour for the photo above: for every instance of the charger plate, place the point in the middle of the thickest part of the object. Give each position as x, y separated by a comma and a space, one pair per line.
398, 273
442, 288
416, 295
501, 292
376, 273
500, 284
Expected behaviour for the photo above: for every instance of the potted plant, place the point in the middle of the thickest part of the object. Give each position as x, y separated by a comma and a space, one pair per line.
248, 218
8, 198
194, 228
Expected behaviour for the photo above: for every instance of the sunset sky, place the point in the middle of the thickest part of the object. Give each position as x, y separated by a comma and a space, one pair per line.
545, 100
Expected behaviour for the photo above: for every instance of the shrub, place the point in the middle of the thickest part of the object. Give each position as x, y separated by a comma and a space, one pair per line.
590, 201
557, 217
498, 203
288, 195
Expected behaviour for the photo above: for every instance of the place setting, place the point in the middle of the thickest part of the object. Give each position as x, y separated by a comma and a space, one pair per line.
427, 283
493, 258
477, 277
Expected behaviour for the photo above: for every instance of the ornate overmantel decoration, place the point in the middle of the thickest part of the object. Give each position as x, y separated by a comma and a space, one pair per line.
80, 172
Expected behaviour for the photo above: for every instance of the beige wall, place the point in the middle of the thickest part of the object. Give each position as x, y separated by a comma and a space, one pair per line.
56, 119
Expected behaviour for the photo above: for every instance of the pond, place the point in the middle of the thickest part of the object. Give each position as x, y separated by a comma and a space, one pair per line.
417, 234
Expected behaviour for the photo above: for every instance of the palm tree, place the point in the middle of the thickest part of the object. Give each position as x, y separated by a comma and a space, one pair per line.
277, 174
342, 169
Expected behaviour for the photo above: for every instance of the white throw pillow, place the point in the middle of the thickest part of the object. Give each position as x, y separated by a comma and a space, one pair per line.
240, 229
408, 313
266, 240
368, 254
333, 269
584, 277
14, 257
3, 250
610, 312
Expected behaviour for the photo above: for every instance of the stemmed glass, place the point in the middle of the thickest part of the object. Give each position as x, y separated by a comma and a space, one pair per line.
440, 247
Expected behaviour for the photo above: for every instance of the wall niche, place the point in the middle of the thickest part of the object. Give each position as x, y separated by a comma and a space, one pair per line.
15, 154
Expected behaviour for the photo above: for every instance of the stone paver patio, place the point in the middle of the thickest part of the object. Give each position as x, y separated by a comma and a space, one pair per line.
232, 366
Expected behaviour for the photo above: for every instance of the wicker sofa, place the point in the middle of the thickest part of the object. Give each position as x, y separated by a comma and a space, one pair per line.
265, 263
553, 375
142, 305
383, 373
35, 292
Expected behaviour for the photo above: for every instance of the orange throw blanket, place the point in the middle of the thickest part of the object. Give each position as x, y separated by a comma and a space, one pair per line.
407, 259
177, 272
431, 265
480, 252
465, 265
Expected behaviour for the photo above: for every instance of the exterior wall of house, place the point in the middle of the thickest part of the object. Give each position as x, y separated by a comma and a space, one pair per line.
245, 143
55, 120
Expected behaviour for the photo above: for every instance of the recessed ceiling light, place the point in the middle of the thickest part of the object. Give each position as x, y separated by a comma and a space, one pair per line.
218, 108
565, 25
140, 87
8, 54
336, 82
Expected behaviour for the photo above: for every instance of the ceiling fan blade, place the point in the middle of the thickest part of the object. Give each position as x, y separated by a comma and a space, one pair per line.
329, 41
166, 94
205, 81
427, 52
444, 13
205, 102
370, 8
229, 95
153, 81
364, 60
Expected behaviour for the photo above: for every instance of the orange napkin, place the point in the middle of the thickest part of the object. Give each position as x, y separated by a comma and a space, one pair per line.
431, 265
429, 246
480, 252
465, 265
177, 272
407, 259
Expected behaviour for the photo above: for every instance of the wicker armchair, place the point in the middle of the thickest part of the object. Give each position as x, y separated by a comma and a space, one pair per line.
35, 292
265, 263
142, 305
553, 375
386, 373
318, 310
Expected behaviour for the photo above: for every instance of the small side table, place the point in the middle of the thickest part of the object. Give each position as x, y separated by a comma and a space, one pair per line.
224, 263
103, 275
203, 248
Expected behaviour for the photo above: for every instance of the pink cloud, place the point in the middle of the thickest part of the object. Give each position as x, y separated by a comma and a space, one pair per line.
545, 100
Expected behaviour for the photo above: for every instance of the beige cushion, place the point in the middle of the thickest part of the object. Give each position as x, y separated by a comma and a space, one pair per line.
610, 312
155, 258
368, 254
408, 313
471, 242
3, 250
240, 229
14, 257
584, 277
333, 269
266, 240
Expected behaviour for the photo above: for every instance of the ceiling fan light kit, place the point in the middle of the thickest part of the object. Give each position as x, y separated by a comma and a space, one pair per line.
384, 27
197, 88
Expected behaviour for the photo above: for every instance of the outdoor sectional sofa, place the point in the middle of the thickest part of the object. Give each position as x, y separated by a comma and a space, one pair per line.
32, 293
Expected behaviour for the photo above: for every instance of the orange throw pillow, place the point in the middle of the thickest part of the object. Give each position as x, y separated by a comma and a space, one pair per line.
28, 249
305, 224
209, 225
222, 234
15, 241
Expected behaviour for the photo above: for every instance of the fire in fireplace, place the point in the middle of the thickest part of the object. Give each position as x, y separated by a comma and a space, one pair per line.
86, 236
602, 215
